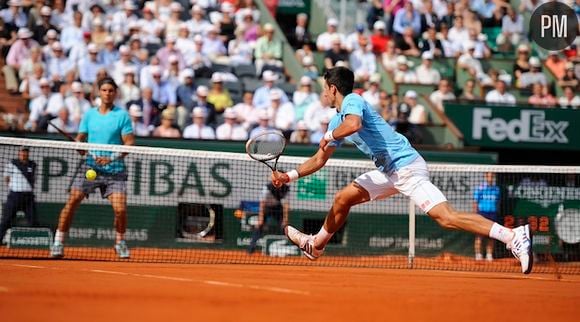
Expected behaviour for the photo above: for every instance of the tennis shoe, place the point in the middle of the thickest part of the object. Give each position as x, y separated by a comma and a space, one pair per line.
304, 242
521, 247
122, 250
57, 250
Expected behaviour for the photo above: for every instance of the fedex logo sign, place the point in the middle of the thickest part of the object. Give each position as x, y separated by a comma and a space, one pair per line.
532, 126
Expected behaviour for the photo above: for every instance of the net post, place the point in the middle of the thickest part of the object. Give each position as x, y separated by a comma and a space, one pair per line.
411, 255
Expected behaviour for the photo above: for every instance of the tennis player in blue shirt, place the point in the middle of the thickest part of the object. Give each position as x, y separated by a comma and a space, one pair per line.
400, 169
485, 202
105, 124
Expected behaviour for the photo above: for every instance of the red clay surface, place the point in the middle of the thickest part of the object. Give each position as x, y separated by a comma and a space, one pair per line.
48, 290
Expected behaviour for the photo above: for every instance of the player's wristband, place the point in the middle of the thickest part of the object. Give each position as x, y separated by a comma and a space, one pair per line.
115, 155
292, 175
328, 136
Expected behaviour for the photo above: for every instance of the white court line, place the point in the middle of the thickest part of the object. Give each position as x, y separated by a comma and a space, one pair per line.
218, 283
278, 289
108, 272
179, 279
28, 266
513, 276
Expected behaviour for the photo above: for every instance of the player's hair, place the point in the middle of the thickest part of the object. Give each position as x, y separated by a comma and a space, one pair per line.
108, 80
342, 78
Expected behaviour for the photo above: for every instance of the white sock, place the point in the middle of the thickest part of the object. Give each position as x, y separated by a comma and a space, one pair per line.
501, 233
120, 236
59, 236
323, 237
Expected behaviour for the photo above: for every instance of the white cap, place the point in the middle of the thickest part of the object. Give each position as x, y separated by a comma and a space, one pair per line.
202, 90
124, 49
553, 53
197, 8
198, 112
15, 3
217, 78
45, 11
335, 39
98, 21
227, 7
411, 94
92, 48
469, 45
535, 62
198, 39
427, 55
43, 81
129, 70
176, 6
523, 47
269, 76
229, 113
172, 59
375, 78
332, 22
170, 38
307, 60
56, 46
401, 60
134, 24
109, 39
275, 94
129, 5
268, 27
263, 115
305, 80
135, 110
52, 34
188, 72
76, 87
301, 125
155, 70
24, 33
379, 24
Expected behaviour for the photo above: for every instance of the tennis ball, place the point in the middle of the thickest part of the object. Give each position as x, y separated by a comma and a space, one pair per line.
91, 174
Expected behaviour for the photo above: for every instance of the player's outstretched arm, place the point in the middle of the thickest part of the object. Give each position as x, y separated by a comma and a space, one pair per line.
313, 164
351, 124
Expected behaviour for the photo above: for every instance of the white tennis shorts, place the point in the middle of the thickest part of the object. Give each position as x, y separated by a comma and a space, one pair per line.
411, 180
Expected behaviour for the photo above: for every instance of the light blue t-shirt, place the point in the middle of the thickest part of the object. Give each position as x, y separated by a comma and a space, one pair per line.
388, 149
106, 129
487, 197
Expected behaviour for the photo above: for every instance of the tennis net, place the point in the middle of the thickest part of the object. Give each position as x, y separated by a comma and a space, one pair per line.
202, 207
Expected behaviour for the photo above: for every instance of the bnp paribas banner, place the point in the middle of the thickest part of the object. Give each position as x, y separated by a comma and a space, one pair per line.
517, 127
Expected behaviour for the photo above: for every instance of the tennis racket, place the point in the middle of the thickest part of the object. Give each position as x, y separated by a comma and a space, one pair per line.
81, 152
201, 226
265, 147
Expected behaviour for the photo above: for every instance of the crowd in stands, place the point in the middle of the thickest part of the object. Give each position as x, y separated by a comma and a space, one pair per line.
208, 69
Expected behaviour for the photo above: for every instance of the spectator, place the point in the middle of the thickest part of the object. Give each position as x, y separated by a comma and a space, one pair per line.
99, 32
18, 53
197, 24
534, 76
310, 70
540, 96
90, 65
226, 22
185, 93
126, 61
335, 54
569, 78
166, 129
213, 46
318, 134
40, 29
569, 99
486, 198
300, 34
163, 91
352, 40
451, 48
149, 108
303, 97
425, 72
363, 61
443, 93
230, 130
404, 74
139, 129
263, 124
500, 95
379, 37
556, 64
109, 54
128, 89
376, 11
20, 177
73, 33
468, 92
248, 27
201, 101
522, 63
430, 43
272, 214
7, 37
39, 113
59, 65
245, 111
388, 108
458, 33
482, 51
218, 95
95, 11
485, 8
79, 51
171, 74
30, 86
324, 40
77, 104
512, 30
168, 51
174, 21
262, 94
15, 14
472, 23
410, 117
151, 28
240, 51
281, 115
317, 112
301, 135
63, 122
268, 51
197, 59
407, 44
371, 95
429, 18
389, 57
28, 65
471, 64
406, 18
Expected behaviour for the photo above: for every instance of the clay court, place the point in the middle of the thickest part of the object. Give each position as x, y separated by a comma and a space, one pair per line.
48, 290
